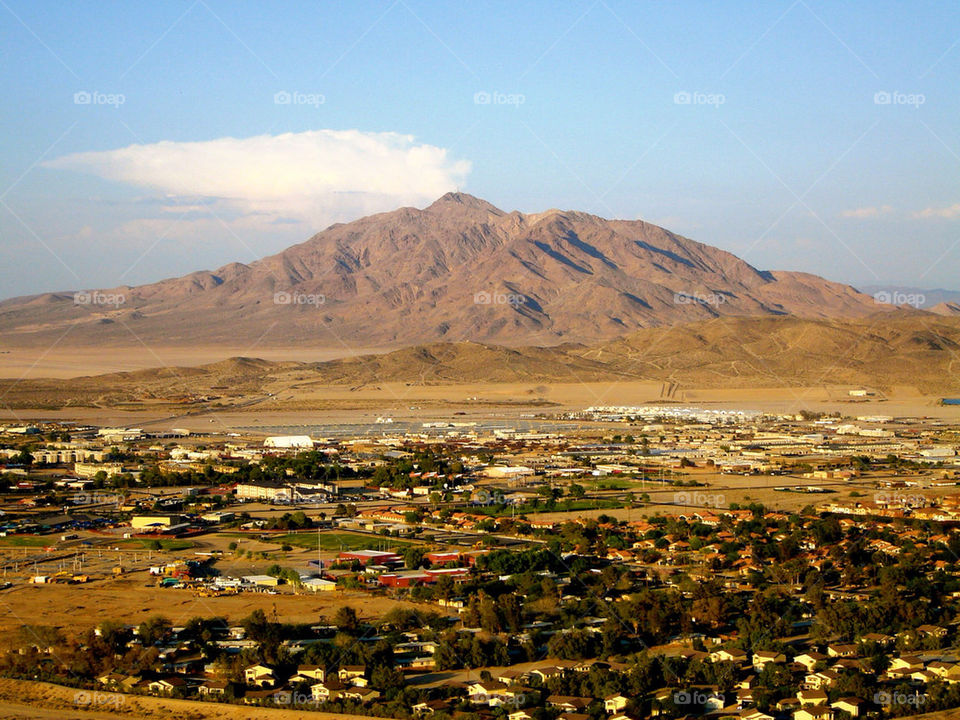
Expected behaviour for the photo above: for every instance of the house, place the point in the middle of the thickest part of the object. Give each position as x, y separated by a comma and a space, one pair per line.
615, 703
788, 705
821, 680
360, 694
810, 659
430, 707
309, 674
754, 714
487, 693
545, 673
166, 686
255, 697
351, 673
837, 650
905, 662
762, 657
946, 671
508, 677
326, 691
520, 715
813, 712
811, 697
110, 679
732, 655
931, 631
213, 688
852, 706
261, 676
569, 704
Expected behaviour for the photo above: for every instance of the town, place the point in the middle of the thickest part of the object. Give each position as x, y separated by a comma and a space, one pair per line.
615, 562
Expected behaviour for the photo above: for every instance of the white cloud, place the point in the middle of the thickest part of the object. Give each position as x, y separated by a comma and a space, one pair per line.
319, 176
947, 213
867, 212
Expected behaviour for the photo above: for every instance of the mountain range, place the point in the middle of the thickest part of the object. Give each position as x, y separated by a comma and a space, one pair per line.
458, 270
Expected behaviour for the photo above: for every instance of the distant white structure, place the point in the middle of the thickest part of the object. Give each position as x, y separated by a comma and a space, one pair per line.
117, 433
670, 412
288, 441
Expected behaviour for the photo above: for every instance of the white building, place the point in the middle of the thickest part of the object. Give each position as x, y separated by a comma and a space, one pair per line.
289, 441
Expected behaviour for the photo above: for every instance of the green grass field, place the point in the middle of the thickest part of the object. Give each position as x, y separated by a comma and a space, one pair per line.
28, 540
610, 483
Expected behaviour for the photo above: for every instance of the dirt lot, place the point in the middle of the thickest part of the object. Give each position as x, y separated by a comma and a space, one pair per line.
130, 600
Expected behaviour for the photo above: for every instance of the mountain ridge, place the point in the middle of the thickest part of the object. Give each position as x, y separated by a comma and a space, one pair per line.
459, 269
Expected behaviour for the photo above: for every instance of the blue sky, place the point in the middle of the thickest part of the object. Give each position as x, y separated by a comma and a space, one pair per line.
146, 140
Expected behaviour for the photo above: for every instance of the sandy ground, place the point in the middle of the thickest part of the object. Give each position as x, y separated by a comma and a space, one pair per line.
134, 598
73, 362
26, 700
719, 491
505, 402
